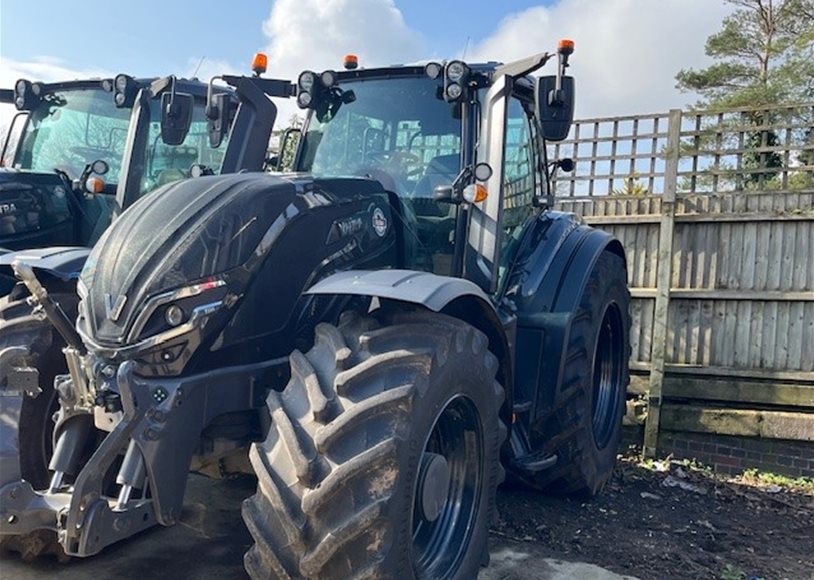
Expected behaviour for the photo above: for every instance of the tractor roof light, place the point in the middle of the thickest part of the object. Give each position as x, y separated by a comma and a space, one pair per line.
457, 71
260, 63
328, 78
25, 97
124, 91
433, 70
350, 62
306, 81
454, 91
304, 99
456, 75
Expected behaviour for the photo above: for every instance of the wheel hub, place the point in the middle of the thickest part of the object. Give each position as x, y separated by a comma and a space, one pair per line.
433, 485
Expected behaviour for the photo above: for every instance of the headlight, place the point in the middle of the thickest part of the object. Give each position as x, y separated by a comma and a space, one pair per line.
306, 81
119, 99
37, 88
328, 78
20, 87
454, 91
304, 99
174, 315
121, 82
456, 71
433, 70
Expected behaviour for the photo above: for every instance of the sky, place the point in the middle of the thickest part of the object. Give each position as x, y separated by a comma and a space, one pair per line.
627, 51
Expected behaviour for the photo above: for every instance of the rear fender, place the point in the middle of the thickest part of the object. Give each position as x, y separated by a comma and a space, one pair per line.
454, 297
547, 279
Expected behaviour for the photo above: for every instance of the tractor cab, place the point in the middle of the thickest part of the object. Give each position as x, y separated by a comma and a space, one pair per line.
459, 147
66, 150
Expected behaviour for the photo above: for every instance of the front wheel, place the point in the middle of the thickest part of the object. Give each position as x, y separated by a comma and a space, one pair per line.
384, 454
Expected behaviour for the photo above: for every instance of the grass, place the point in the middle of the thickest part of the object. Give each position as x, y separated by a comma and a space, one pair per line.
764, 478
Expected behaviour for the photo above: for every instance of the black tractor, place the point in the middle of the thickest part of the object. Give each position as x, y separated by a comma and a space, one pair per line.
159, 131
66, 152
387, 331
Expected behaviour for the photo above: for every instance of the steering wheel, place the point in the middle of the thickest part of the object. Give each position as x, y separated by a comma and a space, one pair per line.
396, 162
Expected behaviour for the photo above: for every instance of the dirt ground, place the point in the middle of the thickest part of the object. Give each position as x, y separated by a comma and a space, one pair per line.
726, 529
646, 524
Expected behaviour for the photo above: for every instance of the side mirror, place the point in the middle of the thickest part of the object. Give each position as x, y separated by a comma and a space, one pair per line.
555, 106
176, 117
219, 111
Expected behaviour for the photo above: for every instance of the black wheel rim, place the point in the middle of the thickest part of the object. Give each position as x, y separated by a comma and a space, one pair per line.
607, 375
439, 544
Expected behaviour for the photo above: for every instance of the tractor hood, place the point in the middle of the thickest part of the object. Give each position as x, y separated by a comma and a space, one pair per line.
192, 244
31, 205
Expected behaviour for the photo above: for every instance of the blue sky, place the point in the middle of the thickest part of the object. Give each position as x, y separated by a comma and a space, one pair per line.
627, 55
169, 32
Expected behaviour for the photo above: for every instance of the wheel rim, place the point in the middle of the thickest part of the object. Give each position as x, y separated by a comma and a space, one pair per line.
607, 375
453, 454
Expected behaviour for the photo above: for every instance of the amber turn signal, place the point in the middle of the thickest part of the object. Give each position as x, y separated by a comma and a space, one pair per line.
95, 184
475, 193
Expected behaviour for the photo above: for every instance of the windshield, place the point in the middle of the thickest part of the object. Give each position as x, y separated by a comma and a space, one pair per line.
167, 163
397, 130
72, 128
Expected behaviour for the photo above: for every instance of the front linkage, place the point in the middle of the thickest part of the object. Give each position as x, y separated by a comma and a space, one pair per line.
154, 427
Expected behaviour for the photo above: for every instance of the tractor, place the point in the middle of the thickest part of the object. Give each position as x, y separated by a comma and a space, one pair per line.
158, 131
379, 336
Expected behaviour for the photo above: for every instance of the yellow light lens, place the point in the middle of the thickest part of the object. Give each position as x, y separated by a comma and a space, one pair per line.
95, 184
475, 193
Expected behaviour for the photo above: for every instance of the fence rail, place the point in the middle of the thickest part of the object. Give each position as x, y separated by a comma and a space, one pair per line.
716, 212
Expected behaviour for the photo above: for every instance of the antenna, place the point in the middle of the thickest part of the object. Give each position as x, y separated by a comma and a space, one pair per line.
466, 47
197, 68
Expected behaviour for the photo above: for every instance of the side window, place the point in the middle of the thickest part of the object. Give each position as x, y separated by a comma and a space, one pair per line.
518, 181
518, 161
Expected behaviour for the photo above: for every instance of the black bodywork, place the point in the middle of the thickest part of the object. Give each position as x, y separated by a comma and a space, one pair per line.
254, 262
42, 210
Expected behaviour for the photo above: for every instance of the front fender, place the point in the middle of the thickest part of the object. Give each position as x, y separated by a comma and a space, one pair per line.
454, 297
61, 264
421, 288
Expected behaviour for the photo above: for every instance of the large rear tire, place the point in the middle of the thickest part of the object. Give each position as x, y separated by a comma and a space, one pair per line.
383, 457
585, 428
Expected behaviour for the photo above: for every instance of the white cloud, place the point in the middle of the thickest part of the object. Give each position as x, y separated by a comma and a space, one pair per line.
44, 69
627, 51
41, 68
316, 34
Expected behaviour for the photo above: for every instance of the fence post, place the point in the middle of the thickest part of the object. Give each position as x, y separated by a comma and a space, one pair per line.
663, 281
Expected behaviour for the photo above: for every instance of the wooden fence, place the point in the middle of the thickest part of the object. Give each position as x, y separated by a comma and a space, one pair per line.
716, 212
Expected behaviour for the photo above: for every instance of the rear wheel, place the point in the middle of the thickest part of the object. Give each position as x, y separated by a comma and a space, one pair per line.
383, 456
585, 428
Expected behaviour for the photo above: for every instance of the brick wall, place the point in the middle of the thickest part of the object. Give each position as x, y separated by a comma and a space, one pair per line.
732, 455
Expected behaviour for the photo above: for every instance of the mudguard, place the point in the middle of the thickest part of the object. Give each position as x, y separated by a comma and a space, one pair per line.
552, 266
428, 290
62, 263
455, 297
